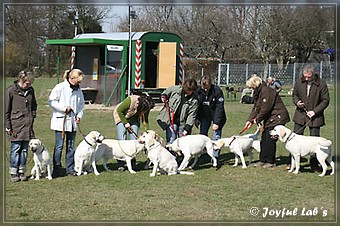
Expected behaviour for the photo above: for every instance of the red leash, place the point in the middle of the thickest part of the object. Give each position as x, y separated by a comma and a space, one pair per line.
171, 115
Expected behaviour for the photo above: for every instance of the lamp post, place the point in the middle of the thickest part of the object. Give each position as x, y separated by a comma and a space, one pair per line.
132, 15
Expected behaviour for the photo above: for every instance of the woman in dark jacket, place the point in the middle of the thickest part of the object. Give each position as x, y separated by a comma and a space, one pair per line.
210, 109
20, 111
311, 97
269, 108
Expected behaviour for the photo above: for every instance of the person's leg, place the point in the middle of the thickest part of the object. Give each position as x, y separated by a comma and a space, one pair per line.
14, 160
171, 134
204, 126
268, 148
121, 135
134, 127
313, 162
58, 148
22, 160
217, 134
204, 130
70, 139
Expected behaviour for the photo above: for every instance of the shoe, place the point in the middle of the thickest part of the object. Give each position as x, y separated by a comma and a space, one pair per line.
15, 178
121, 169
23, 177
269, 165
73, 173
259, 164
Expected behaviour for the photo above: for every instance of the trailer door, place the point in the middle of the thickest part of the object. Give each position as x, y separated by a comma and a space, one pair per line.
166, 64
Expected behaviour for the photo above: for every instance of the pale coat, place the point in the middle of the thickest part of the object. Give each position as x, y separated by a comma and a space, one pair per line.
130, 112
62, 95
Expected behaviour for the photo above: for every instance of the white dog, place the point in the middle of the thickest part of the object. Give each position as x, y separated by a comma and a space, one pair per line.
300, 145
42, 160
124, 150
158, 139
84, 154
240, 145
161, 158
193, 146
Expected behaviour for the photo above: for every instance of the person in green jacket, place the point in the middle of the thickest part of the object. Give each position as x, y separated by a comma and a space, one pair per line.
127, 117
178, 115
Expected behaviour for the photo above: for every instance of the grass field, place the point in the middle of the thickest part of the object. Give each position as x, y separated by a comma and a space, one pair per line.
227, 195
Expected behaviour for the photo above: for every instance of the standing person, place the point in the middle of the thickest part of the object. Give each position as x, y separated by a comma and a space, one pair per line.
269, 108
127, 117
178, 115
274, 84
311, 97
211, 109
67, 103
20, 108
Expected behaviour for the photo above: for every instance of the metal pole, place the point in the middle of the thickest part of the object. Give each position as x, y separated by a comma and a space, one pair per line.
130, 52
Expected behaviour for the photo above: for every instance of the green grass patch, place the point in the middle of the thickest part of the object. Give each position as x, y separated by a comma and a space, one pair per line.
225, 195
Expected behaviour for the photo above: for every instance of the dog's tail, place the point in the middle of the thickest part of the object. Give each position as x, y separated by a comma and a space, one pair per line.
186, 172
325, 143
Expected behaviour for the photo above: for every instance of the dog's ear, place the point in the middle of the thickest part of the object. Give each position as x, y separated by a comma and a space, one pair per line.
282, 133
39, 142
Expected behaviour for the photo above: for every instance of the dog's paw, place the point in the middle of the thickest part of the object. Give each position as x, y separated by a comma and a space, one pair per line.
37, 178
85, 173
133, 172
50, 178
244, 167
152, 174
97, 174
321, 174
234, 165
32, 177
296, 172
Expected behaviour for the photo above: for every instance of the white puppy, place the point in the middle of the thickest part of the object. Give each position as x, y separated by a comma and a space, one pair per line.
42, 160
84, 154
161, 158
193, 146
124, 150
300, 145
240, 145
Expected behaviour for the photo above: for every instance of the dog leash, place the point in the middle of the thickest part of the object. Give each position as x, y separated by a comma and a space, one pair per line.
130, 130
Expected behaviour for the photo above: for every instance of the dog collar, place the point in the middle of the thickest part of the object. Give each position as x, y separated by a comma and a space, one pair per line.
289, 137
152, 146
234, 138
87, 142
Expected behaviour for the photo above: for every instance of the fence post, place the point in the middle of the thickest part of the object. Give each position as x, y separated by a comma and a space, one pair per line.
227, 82
321, 69
219, 75
247, 72
294, 72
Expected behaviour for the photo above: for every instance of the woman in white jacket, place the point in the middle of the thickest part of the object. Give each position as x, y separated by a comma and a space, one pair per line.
67, 103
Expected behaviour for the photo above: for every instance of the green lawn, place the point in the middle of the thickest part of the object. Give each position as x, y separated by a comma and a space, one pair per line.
226, 195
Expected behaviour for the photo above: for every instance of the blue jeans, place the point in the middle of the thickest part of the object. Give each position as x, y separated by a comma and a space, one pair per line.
121, 135
204, 129
58, 148
122, 132
18, 157
172, 134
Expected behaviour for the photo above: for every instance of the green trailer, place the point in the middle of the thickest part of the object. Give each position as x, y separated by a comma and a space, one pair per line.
156, 63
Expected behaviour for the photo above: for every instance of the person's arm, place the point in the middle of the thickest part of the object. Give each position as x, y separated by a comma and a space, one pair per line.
219, 111
324, 99
123, 108
54, 100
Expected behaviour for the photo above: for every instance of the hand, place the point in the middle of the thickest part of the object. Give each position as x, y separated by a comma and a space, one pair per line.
8, 131
127, 125
77, 120
248, 124
310, 114
300, 104
184, 133
215, 127
68, 109
163, 98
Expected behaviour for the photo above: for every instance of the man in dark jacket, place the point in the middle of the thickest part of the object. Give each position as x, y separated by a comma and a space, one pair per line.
211, 109
269, 108
311, 97
20, 111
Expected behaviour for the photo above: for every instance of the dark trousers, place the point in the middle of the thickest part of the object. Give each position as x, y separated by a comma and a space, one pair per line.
313, 131
268, 146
